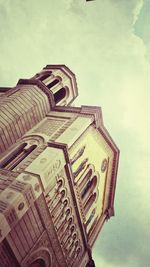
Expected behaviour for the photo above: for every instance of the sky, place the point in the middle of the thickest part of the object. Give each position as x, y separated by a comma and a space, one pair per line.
106, 43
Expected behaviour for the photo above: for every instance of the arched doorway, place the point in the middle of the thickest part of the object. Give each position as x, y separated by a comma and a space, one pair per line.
38, 263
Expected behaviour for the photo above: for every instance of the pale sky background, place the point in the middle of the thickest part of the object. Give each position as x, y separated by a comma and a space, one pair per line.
106, 43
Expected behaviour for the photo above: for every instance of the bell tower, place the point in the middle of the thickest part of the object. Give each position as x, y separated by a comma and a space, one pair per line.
58, 171
61, 81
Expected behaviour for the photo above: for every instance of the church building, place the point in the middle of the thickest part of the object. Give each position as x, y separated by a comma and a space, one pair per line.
58, 169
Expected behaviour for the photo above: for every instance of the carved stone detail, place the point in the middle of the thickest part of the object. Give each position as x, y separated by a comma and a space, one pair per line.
40, 253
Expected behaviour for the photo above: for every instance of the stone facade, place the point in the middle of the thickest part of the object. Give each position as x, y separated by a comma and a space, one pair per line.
58, 169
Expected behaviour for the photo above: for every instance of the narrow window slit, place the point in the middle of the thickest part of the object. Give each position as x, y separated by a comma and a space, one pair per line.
53, 83
59, 95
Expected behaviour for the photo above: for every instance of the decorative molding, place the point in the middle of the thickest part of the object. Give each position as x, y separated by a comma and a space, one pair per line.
93, 111
113, 178
62, 146
68, 109
48, 224
41, 250
77, 208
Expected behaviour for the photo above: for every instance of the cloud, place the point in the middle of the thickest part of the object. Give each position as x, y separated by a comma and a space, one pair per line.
137, 10
141, 26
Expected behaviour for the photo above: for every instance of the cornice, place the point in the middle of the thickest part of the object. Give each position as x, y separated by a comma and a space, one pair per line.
115, 163
68, 109
95, 111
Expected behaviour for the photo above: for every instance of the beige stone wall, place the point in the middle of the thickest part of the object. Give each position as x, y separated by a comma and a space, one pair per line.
100, 156
19, 112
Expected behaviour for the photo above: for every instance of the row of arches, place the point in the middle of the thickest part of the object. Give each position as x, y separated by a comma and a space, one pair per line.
60, 92
87, 180
18, 152
61, 212
88, 187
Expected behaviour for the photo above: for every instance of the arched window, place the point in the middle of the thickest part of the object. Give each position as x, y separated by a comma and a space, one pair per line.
65, 202
78, 154
70, 220
61, 218
86, 175
70, 237
78, 250
58, 209
60, 183
6, 159
72, 228
90, 217
80, 168
59, 95
84, 179
63, 194
68, 211
76, 243
65, 227
16, 155
89, 202
72, 250
53, 83
86, 189
44, 76
90, 231
89, 188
